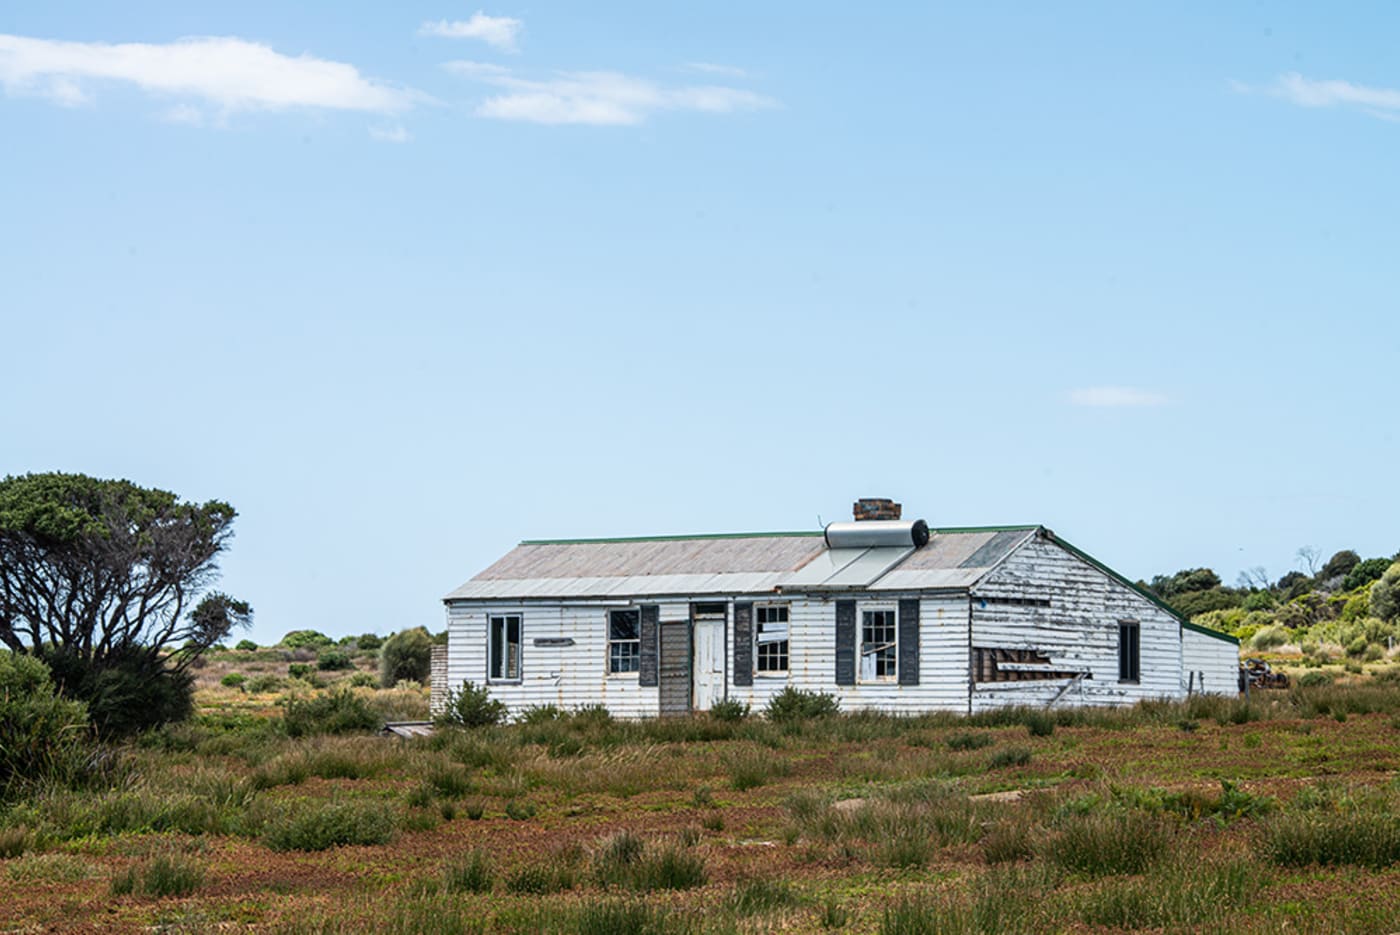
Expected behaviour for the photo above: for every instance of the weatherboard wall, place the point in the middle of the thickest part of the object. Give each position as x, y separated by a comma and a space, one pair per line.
1215, 662
1078, 630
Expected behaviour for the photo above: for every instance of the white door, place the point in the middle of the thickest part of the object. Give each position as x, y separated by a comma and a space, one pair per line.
707, 661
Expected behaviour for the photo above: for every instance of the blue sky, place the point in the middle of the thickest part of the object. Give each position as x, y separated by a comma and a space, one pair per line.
407, 283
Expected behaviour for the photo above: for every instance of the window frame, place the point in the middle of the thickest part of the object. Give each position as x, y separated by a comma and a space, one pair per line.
1130, 651
505, 617
785, 652
891, 678
635, 656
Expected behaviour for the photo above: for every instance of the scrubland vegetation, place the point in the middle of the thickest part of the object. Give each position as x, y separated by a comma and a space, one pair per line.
278, 808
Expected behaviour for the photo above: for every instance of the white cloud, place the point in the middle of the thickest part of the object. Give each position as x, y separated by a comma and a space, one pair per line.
230, 73
475, 69
390, 134
499, 31
710, 68
600, 98
1115, 397
1309, 92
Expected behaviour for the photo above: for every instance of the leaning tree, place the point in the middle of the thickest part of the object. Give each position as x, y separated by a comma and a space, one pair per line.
110, 583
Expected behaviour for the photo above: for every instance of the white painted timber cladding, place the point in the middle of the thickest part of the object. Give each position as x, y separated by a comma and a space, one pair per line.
1215, 662
1079, 630
572, 676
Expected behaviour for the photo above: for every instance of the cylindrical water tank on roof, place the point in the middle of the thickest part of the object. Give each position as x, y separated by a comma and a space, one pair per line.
876, 533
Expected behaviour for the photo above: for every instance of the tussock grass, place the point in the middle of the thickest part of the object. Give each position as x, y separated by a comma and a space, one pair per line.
1359, 837
162, 875
1108, 842
473, 873
1183, 893
625, 860
318, 826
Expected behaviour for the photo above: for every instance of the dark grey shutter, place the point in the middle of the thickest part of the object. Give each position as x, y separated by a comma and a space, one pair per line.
845, 642
743, 643
646, 665
909, 642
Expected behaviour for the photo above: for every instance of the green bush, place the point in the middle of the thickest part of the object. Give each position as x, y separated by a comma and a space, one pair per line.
246, 646
233, 680
966, 740
363, 680
1385, 594
128, 693
1040, 723
299, 670
794, 704
336, 712
729, 711
1010, 756
316, 828
259, 684
1364, 573
43, 737
471, 706
306, 639
407, 655
369, 642
333, 661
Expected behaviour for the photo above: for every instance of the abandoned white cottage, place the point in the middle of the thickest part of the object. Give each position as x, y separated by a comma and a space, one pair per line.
883, 613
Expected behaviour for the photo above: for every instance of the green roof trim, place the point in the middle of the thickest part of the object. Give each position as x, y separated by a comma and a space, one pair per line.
947, 530
1209, 632
1154, 599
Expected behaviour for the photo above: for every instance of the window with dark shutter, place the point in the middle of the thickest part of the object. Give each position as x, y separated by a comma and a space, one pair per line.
1128, 655
743, 643
909, 642
845, 642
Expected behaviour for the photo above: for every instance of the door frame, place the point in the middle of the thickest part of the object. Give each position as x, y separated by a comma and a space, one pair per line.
714, 612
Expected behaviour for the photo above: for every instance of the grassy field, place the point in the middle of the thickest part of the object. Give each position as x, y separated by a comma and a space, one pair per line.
1213, 815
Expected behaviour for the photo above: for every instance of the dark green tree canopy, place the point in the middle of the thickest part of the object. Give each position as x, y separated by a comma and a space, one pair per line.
103, 569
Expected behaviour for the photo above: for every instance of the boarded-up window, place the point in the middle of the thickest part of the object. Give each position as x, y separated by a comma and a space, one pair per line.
1128, 650
771, 639
878, 645
624, 641
1018, 665
504, 654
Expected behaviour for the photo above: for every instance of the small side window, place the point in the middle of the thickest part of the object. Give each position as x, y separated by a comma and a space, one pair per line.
878, 646
504, 653
1128, 651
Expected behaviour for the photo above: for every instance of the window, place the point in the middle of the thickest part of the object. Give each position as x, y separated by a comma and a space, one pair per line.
771, 638
877, 645
624, 641
504, 633
1128, 658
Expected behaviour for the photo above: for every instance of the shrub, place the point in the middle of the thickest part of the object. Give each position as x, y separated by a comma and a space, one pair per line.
729, 711
316, 828
1364, 573
306, 639
299, 670
1314, 679
336, 712
969, 741
246, 646
1385, 594
128, 693
406, 655
369, 642
363, 680
471, 706
259, 684
1010, 756
233, 680
1040, 723
471, 874
42, 736
794, 704
1269, 638
333, 661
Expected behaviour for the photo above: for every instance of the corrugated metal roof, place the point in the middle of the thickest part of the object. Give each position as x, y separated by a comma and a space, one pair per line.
735, 564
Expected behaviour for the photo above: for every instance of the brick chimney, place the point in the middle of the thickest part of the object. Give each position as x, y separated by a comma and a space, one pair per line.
874, 508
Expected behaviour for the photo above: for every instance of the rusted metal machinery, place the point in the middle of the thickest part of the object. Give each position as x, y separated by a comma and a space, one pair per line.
1259, 674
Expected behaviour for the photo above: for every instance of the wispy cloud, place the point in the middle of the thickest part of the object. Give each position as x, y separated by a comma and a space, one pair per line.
1115, 397
599, 98
499, 31
229, 73
710, 68
1310, 92
390, 134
